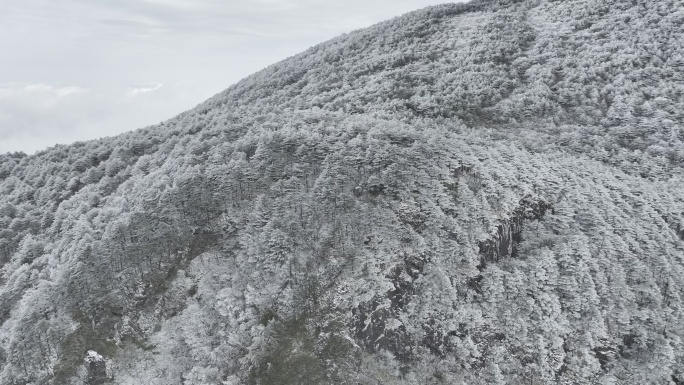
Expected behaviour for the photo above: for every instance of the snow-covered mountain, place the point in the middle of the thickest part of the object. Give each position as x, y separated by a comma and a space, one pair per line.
480, 193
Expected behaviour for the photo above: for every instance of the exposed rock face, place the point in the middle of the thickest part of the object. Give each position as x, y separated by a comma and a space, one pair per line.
480, 193
376, 324
509, 234
97, 368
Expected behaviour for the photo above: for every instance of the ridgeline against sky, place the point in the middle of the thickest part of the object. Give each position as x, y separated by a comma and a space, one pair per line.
74, 66
480, 193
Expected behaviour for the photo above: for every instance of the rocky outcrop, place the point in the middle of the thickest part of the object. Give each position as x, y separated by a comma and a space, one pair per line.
504, 244
96, 367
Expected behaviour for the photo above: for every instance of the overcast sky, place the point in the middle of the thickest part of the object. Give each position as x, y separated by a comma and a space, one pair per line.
80, 69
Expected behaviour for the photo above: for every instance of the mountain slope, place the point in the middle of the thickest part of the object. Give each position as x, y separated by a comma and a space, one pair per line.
471, 193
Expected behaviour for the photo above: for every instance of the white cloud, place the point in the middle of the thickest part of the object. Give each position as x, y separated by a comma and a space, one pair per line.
144, 89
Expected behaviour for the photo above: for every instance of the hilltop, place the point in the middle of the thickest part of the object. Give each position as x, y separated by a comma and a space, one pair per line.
478, 193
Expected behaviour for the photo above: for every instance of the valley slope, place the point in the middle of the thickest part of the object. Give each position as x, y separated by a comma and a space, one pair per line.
478, 193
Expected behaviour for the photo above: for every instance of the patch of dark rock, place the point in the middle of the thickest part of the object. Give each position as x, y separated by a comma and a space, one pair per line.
436, 341
97, 369
475, 283
604, 355
371, 322
678, 229
627, 342
509, 234
376, 189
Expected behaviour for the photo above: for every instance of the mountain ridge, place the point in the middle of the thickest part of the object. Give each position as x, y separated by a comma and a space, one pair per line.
473, 193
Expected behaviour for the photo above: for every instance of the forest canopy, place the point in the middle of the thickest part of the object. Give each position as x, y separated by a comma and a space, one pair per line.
478, 193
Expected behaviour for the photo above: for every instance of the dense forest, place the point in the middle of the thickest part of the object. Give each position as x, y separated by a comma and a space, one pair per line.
478, 193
